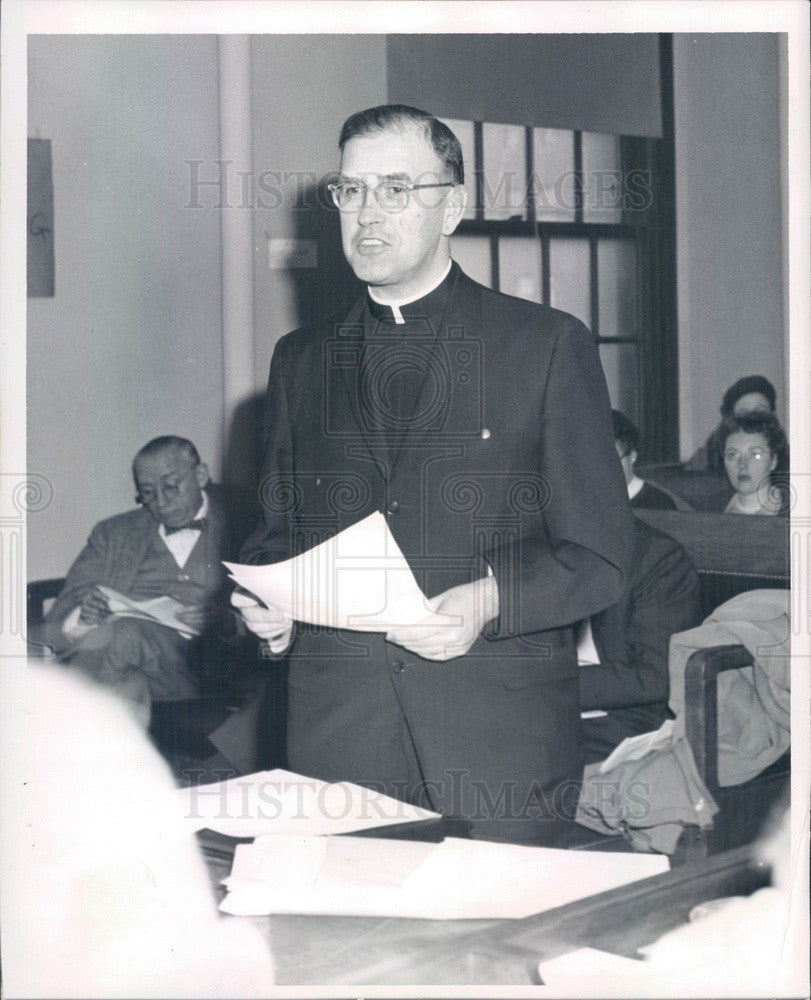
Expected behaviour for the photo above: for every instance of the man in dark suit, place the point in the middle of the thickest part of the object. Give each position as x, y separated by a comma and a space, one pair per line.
479, 423
640, 493
623, 650
172, 545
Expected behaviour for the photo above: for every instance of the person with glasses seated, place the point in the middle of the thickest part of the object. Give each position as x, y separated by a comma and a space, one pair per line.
756, 459
640, 493
170, 546
479, 424
750, 394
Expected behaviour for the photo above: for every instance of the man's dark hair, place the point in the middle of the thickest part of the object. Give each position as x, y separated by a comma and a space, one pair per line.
159, 444
402, 118
751, 383
625, 432
766, 424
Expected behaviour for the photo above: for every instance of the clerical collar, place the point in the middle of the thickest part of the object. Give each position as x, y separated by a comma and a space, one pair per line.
430, 303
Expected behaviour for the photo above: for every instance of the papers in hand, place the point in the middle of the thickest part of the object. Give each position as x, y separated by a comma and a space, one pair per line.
358, 579
284, 803
157, 609
457, 879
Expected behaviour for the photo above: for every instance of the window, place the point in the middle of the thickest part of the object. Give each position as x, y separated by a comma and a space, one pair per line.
579, 221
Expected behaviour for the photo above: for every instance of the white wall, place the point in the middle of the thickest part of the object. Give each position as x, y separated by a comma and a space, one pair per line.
729, 222
304, 87
130, 346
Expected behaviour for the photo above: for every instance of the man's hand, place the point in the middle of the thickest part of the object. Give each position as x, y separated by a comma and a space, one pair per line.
94, 608
196, 616
459, 615
270, 624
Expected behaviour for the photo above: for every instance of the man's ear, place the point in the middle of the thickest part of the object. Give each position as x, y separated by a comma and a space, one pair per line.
773, 465
455, 206
203, 475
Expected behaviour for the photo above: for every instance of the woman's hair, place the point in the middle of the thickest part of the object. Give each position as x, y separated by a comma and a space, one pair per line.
766, 424
750, 383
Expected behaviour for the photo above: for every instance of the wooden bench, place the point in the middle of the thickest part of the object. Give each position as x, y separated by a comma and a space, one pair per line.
732, 553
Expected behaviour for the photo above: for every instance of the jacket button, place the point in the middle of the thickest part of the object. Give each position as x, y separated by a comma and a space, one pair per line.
393, 507
397, 666
182, 576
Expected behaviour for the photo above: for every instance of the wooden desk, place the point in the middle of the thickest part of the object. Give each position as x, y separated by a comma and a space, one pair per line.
327, 951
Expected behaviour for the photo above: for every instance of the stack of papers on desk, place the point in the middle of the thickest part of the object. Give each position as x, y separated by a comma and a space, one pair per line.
284, 803
456, 879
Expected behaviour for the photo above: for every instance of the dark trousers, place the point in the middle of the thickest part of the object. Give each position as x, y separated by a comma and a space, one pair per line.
496, 749
139, 661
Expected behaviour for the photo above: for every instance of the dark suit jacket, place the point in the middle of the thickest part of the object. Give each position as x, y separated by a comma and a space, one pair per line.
632, 638
652, 497
512, 464
114, 553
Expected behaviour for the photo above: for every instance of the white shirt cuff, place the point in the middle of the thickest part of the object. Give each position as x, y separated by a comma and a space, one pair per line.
73, 628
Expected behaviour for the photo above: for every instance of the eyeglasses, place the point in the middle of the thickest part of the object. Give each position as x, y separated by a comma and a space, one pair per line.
170, 490
391, 195
753, 454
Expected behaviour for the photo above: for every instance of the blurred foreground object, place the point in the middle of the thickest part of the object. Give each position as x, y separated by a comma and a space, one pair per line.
104, 891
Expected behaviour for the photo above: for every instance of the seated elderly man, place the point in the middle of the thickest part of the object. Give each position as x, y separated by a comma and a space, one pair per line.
170, 546
622, 651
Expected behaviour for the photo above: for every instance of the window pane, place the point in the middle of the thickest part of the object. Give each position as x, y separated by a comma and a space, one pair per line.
519, 267
464, 133
602, 178
505, 171
553, 174
616, 280
621, 374
472, 254
569, 274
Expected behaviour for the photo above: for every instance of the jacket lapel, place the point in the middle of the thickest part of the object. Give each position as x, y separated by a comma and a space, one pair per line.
343, 380
450, 398
134, 548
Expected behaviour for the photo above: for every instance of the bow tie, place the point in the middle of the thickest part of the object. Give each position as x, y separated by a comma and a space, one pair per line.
196, 525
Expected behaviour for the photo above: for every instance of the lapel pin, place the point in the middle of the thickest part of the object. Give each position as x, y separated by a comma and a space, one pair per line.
485, 434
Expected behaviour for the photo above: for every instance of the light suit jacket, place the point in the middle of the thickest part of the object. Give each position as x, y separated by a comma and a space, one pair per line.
113, 556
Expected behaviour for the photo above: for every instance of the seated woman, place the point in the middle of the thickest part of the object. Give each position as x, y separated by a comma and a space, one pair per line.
751, 394
755, 451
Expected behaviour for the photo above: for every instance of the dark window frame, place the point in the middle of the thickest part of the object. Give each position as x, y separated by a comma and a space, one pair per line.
653, 231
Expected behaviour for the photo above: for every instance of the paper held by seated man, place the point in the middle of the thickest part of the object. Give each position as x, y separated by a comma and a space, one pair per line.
358, 579
162, 610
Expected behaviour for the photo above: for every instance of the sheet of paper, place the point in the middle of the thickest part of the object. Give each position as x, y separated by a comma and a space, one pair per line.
476, 878
456, 879
358, 579
157, 609
337, 862
590, 969
635, 747
282, 802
